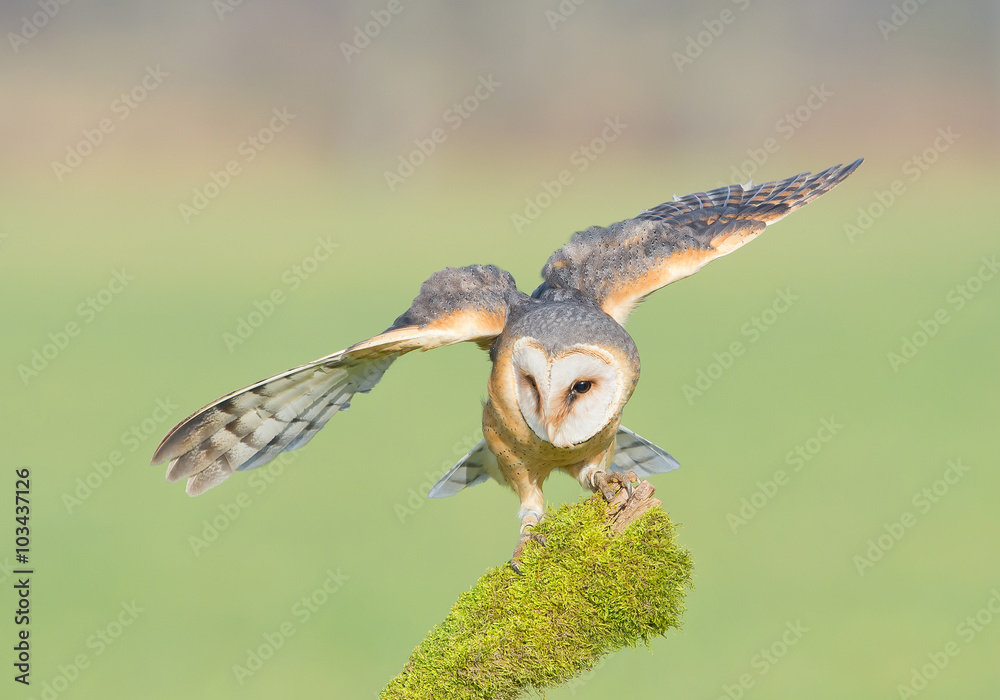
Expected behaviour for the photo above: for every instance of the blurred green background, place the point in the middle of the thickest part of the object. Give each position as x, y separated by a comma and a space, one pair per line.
841, 576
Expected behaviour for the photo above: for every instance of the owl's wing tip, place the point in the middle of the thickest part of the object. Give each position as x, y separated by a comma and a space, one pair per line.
158, 455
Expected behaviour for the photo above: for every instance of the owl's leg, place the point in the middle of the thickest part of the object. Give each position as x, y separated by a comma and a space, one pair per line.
531, 513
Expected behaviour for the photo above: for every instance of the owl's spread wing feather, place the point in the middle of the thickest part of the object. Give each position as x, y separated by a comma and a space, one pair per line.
621, 264
249, 427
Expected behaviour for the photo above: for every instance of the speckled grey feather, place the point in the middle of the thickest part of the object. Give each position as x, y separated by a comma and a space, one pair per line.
563, 318
485, 288
601, 260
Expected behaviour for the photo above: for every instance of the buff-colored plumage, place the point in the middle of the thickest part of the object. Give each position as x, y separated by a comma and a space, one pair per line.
563, 365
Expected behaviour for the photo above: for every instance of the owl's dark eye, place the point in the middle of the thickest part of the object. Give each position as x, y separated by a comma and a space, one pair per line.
582, 387
530, 381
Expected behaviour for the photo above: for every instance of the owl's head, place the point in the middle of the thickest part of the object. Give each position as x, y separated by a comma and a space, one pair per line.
572, 379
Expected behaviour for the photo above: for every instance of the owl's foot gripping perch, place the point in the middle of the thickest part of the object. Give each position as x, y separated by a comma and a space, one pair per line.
515, 560
597, 481
601, 481
528, 522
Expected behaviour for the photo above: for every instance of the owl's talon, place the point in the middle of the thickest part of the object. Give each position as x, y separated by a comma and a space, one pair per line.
515, 560
526, 536
630, 478
603, 481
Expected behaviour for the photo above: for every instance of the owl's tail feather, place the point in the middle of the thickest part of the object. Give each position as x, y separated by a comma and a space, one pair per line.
474, 468
633, 453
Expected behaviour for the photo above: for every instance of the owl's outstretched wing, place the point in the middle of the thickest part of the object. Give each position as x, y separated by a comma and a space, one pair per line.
623, 263
249, 427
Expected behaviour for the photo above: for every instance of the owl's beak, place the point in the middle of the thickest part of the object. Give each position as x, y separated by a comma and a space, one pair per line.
553, 429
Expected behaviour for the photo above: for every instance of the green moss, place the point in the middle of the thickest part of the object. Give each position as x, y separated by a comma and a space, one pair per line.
583, 595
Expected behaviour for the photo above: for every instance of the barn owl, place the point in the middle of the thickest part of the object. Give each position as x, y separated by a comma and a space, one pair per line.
563, 365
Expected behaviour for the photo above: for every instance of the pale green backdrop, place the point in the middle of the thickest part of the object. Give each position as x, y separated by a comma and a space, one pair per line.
839, 485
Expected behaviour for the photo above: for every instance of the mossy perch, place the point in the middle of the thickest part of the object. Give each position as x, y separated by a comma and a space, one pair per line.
609, 575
